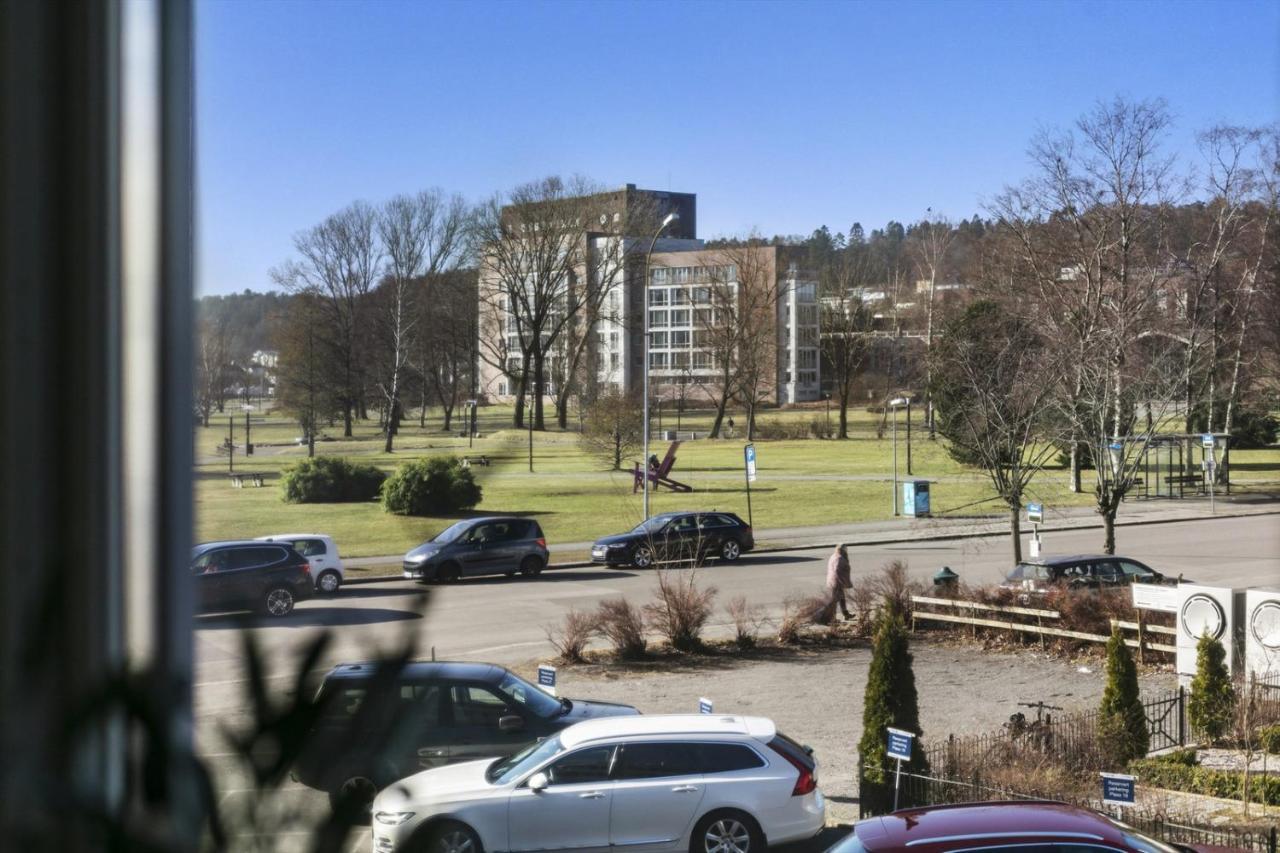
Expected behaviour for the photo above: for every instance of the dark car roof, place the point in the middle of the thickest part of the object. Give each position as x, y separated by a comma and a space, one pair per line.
1078, 558
197, 550
973, 824
481, 518
424, 671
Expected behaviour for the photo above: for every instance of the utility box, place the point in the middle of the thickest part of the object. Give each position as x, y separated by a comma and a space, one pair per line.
669, 435
915, 498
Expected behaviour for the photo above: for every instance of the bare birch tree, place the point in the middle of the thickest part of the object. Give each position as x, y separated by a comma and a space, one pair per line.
846, 322
931, 240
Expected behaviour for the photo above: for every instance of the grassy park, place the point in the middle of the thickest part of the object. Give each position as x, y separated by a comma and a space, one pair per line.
800, 481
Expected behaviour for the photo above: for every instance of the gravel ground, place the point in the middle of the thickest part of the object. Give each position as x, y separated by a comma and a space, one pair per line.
815, 695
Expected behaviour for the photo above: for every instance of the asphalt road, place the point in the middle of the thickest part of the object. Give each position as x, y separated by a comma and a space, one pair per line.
504, 620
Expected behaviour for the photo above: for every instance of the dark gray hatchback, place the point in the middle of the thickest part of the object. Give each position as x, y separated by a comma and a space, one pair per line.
493, 545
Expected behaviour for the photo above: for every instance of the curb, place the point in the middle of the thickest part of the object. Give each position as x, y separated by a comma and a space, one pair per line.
892, 540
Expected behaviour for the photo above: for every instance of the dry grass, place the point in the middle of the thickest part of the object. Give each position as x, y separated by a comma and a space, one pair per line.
747, 619
571, 636
681, 609
623, 626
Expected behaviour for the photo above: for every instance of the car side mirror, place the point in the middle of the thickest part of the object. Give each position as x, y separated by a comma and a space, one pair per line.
538, 782
510, 723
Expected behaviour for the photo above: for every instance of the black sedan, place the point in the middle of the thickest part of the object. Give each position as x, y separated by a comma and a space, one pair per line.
1090, 571
677, 537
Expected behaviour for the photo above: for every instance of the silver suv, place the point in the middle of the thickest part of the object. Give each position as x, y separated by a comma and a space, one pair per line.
494, 545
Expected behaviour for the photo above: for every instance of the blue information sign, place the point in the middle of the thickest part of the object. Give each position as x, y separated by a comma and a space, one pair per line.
704, 705
749, 453
1118, 789
1206, 439
547, 678
900, 744
1035, 513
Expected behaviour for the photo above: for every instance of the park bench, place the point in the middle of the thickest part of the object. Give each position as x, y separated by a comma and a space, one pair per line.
239, 481
468, 461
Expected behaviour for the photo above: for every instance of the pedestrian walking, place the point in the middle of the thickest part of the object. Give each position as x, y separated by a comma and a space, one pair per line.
838, 580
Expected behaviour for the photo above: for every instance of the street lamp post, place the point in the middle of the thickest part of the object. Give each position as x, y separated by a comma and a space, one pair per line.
894, 404
644, 310
530, 418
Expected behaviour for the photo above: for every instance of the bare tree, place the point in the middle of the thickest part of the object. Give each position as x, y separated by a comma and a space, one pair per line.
421, 236
845, 324
931, 240
447, 344
306, 376
213, 356
338, 262
612, 428
532, 250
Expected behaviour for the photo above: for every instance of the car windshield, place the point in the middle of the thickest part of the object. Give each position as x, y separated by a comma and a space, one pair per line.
506, 770
451, 532
528, 696
653, 525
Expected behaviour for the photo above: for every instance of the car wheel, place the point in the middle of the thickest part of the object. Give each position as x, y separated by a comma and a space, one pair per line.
730, 551
530, 567
353, 800
643, 557
328, 582
453, 837
726, 832
278, 601
449, 573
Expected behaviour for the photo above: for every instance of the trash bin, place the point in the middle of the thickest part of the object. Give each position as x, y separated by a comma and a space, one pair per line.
945, 579
915, 498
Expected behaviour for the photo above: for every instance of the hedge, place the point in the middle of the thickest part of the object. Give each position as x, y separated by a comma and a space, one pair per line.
329, 479
1175, 774
435, 486
1269, 739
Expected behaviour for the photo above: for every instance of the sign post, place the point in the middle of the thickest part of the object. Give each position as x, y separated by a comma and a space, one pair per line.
471, 423
547, 678
899, 747
1210, 464
704, 705
1035, 516
1118, 789
749, 456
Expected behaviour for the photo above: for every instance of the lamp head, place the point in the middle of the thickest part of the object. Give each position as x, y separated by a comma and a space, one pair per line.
670, 217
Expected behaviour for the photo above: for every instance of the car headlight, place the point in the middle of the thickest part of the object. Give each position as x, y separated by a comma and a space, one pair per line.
392, 818
616, 546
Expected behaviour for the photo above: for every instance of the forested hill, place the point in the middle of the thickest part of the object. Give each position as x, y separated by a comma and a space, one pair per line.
248, 316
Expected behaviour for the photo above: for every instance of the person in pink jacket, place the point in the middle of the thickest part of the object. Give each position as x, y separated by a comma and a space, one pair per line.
838, 580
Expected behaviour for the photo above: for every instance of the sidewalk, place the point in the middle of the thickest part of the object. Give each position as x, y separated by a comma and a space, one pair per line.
912, 529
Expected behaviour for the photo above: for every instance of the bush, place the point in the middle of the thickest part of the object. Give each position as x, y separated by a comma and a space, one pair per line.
894, 589
801, 610
329, 479
747, 619
435, 486
680, 610
623, 626
1212, 698
1269, 739
570, 638
1122, 719
1175, 774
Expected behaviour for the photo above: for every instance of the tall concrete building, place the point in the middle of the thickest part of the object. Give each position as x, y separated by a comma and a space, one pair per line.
696, 299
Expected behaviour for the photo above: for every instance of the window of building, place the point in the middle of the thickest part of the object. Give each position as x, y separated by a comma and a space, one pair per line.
657, 318
680, 358
808, 358
614, 360
659, 276
658, 340
679, 339
702, 296
658, 295
808, 377
680, 296
701, 360
657, 360
613, 340
683, 274
680, 317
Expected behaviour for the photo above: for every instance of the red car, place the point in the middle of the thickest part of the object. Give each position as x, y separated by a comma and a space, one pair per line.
1013, 827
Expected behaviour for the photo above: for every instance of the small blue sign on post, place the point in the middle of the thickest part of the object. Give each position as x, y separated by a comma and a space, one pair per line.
749, 453
704, 705
547, 678
900, 744
1118, 789
1035, 513
1206, 439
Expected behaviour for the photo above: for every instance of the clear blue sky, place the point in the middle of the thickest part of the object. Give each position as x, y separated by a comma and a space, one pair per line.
780, 116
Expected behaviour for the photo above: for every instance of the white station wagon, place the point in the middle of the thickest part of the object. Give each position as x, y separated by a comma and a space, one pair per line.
698, 783
321, 552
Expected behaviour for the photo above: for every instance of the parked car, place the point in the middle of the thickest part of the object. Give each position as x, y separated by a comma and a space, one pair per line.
494, 545
247, 574
376, 726
1091, 570
677, 536
321, 552
702, 783
1031, 826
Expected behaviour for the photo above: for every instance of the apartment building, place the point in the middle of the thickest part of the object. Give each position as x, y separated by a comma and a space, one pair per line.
696, 296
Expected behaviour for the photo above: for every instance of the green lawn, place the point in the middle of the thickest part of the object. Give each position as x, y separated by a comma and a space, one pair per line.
575, 499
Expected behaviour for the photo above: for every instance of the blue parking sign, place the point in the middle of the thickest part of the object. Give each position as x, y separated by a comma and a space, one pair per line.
704, 705
1118, 789
900, 744
547, 678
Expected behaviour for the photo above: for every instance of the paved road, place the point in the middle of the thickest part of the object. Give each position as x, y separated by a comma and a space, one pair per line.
504, 621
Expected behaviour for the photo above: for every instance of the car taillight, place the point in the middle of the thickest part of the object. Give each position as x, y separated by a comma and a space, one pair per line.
807, 781
306, 567
542, 543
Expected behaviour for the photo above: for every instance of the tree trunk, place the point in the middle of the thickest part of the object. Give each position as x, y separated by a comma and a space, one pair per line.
346, 419
448, 415
521, 389
539, 389
719, 420
422, 413
1015, 530
1074, 483
1108, 512
844, 417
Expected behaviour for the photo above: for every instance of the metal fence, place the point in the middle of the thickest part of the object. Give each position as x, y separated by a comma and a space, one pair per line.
917, 790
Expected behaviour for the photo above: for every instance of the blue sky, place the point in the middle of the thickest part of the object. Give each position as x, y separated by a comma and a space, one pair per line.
780, 116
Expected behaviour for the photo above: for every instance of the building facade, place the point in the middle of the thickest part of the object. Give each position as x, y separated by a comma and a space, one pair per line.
752, 305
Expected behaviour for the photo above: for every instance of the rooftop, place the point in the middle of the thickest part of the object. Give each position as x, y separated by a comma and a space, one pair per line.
675, 725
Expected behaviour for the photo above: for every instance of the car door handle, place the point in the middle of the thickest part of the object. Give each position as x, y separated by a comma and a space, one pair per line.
592, 795
432, 753
685, 789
